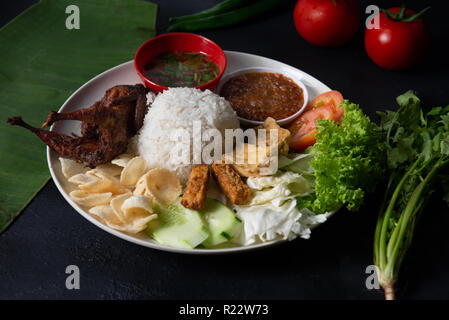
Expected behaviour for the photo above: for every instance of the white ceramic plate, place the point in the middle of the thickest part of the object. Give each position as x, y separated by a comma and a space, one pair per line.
94, 89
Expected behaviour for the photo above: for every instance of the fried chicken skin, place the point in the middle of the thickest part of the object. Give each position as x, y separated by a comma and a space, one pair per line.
195, 193
106, 126
231, 183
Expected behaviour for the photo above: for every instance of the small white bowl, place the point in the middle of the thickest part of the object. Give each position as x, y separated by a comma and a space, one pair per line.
292, 74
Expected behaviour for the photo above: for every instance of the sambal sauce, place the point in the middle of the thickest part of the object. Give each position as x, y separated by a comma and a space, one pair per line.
259, 95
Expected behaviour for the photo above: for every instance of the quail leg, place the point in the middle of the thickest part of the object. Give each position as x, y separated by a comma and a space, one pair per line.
73, 147
87, 115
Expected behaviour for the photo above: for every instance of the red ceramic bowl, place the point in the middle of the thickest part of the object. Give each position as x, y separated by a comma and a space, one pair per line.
178, 41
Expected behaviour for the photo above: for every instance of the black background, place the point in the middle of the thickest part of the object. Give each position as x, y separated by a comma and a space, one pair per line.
49, 234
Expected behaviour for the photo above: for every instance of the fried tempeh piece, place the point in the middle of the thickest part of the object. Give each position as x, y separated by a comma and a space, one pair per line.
231, 184
195, 193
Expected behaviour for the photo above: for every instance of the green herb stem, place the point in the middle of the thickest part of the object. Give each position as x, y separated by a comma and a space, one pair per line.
418, 149
380, 220
386, 218
413, 206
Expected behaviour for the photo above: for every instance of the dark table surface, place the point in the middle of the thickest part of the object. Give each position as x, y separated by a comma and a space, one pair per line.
49, 235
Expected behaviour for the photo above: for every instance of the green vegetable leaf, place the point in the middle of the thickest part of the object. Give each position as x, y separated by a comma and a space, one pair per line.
435, 111
42, 63
407, 99
427, 150
418, 149
444, 146
348, 159
445, 121
387, 119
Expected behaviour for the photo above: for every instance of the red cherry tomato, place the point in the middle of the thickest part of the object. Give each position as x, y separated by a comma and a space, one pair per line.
397, 44
327, 22
303, 129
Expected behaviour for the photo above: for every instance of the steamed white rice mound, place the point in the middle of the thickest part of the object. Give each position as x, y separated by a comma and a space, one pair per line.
177, 108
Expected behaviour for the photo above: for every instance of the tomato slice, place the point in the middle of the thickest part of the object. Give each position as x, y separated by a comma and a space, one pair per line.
338, 113
331, 98
302, 142
303, 129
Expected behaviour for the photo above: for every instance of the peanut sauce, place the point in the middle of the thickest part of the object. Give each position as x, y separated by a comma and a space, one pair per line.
259, 95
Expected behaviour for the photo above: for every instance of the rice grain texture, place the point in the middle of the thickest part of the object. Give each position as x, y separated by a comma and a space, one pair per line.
166, 137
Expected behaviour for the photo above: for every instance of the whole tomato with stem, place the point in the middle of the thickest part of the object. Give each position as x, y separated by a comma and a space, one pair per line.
401, 41
327, 23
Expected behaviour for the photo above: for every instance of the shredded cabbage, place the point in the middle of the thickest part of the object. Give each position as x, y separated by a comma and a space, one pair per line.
273, 212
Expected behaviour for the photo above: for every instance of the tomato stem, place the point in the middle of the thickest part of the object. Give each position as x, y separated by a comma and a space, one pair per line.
415, 16
401, 15
402, 12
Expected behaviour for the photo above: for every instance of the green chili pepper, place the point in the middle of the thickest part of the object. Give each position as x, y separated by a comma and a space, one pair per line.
255, 10
222, 7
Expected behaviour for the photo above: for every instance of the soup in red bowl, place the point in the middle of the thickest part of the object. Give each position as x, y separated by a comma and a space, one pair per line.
180, 60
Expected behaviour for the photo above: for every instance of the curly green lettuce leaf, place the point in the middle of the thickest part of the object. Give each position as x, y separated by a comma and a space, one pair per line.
348, 160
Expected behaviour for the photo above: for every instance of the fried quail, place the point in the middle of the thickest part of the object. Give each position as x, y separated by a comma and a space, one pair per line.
106, 126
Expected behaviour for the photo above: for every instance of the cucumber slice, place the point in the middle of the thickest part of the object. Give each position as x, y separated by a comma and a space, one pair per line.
177, 226
222, 222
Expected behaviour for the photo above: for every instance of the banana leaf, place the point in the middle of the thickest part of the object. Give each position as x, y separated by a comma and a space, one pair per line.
41, 63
